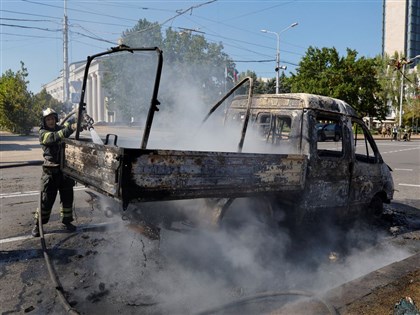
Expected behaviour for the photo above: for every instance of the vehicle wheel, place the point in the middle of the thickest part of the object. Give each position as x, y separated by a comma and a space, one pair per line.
337, 137
376, 207
245, 211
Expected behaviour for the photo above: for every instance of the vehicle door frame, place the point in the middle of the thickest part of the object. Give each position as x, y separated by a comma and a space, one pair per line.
367, 171
328, 174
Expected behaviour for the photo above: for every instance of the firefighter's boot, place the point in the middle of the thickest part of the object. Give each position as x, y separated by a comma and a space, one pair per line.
69, 227
35, 230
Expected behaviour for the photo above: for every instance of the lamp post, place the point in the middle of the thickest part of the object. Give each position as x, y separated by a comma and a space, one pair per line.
404, 63
278, 52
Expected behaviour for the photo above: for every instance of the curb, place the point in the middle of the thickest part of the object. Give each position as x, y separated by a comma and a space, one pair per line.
27, 163
357, 289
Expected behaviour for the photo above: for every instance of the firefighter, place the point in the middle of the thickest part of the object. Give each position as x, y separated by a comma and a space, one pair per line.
53, 180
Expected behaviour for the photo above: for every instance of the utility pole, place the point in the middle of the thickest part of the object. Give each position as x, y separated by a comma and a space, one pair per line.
66, 90
278, 67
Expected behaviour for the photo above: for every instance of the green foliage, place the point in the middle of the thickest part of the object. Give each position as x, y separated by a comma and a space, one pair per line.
43, 100
390, 73
16, 110
324, 72
191, 64
266, 87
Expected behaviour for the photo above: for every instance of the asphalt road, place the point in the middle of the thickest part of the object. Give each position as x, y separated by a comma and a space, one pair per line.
109, 267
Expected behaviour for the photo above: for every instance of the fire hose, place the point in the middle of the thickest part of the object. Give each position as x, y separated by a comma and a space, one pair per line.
53, 275
224, 308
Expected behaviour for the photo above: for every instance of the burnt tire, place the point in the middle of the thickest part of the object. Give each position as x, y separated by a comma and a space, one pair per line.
376, 207
248, 211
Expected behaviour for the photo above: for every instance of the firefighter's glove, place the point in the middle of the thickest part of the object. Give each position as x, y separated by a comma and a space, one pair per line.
87, 122
85, 126
71, 120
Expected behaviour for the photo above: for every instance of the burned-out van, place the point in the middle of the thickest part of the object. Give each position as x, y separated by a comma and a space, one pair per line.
318, 155
344, 171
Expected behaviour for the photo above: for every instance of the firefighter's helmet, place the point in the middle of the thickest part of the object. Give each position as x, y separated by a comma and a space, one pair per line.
47, 112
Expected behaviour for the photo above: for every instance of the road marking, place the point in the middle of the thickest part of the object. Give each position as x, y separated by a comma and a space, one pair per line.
403, 169
401, 150
409, 185
80, 228
30, 193
15, 239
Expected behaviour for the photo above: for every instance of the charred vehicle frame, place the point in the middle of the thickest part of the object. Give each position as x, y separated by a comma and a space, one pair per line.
299, 174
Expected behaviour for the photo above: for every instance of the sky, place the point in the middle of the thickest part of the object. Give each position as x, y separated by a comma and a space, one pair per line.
31, 30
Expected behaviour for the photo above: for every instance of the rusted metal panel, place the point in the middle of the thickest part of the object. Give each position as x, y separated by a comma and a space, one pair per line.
93, 165
170, 175
294, 101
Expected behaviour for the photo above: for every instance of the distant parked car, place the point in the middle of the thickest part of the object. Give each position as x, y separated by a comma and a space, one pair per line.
329, 131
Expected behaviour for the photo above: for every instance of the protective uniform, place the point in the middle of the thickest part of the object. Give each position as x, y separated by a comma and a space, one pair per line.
53, 180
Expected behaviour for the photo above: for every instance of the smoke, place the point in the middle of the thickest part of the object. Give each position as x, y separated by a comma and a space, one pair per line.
193, 268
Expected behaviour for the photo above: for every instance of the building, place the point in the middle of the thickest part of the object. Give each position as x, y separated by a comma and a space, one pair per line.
401, 34
95, 97
401, 28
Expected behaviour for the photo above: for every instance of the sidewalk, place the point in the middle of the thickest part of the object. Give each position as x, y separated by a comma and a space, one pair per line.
16, 149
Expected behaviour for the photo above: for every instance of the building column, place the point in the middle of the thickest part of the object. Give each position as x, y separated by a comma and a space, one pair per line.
100, 98
88, 95
94, 97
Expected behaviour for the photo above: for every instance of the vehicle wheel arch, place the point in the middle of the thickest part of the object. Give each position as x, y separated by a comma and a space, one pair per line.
375, 207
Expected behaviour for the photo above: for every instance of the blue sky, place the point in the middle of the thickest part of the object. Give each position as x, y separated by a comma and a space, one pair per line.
30, 30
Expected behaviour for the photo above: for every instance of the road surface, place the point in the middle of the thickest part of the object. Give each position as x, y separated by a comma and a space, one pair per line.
109, 266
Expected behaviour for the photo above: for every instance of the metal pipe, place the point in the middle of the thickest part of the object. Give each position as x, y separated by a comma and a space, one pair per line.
278, 52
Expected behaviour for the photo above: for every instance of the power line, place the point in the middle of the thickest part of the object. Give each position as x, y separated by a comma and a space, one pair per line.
30, 36
26, 20
31, 27
30, 14
265, 9
82, 11
78, 20
179, 13
237, 28
95, 38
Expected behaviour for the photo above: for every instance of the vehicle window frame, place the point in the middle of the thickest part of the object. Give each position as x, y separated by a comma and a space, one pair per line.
326, 153
369, 144
274, 119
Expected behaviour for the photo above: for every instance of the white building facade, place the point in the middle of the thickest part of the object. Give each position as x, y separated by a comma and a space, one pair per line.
95, 95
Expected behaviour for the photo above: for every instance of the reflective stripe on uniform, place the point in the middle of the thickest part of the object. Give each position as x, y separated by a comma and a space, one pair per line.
66, 212
45, 214
45, 137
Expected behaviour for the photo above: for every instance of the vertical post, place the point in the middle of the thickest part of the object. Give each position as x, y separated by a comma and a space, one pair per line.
278, 52
66, 91
277, 63
401, 99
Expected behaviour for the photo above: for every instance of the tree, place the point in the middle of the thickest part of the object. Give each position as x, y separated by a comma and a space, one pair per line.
43, 100
259, 86
266, 87
324, 72
390, 72
191, 66
411, 100
16, 111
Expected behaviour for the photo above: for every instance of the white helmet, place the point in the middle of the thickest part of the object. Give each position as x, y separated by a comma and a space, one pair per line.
48, 111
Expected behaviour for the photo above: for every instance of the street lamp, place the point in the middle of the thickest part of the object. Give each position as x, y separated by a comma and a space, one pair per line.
278, 52
404, 63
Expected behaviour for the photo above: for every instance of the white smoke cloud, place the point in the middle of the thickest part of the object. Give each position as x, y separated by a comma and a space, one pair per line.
199, 268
